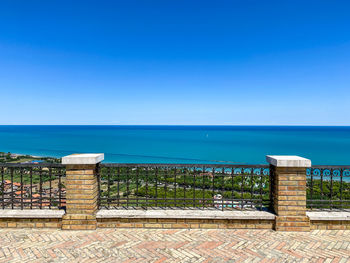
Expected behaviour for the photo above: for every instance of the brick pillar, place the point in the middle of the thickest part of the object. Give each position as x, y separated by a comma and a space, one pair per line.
288, 188
82, 191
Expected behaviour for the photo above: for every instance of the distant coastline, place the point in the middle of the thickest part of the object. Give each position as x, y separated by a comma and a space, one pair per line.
8, 157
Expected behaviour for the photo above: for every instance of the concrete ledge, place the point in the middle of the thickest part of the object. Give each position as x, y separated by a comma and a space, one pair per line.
329, 216
36, 213
86, 158
288, 161
186, 214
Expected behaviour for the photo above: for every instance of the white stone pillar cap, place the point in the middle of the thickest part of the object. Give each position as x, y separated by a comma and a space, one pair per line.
288, 161
85, 158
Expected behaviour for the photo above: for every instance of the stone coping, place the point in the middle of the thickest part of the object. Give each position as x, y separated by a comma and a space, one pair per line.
35, 213
186, 214
288, 161
178, 214
86, 158
328, 216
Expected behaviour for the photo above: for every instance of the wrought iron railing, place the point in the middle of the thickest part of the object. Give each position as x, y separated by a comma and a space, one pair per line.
184, 186
328, 188
32, 186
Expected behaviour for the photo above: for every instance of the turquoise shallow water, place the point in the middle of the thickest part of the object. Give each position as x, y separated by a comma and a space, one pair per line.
181, 144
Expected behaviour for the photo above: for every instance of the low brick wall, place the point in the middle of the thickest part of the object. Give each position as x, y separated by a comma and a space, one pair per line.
31, 218
169, 219
169, 223
329, 220
30, 223
330, 225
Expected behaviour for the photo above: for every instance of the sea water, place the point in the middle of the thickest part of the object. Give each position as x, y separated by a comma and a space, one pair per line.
182, 144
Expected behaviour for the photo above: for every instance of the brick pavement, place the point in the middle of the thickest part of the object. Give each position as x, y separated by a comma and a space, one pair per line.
183, 245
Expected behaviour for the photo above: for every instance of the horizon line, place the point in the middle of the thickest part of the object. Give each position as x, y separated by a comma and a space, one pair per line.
198, 125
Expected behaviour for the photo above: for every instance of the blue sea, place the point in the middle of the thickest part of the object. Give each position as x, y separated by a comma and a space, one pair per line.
182, 144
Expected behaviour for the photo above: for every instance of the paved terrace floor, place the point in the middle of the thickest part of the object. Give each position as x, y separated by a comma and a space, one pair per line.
161, 245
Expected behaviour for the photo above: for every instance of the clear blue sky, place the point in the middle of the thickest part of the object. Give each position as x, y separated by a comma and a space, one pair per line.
175, 62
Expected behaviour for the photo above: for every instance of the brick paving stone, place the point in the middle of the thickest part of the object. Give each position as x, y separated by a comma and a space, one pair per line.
173, 245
